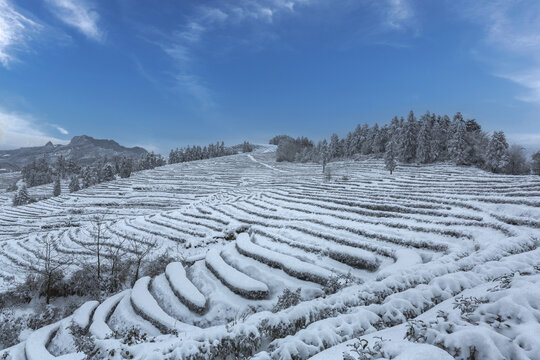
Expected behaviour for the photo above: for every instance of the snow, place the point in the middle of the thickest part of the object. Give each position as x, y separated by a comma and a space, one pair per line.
414, 243
233, 278
289, 264
145, 304
99, 327
406, 258
185, 290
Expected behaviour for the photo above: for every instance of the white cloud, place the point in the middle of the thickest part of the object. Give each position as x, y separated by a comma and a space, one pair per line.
79, 14
61, 130
21, 130
513, 29
15, 32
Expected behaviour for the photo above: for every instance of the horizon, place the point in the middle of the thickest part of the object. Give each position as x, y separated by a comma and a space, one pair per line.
201, 72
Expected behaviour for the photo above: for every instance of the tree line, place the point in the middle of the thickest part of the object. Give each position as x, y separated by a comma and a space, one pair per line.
192, 153
41, 171
431, 138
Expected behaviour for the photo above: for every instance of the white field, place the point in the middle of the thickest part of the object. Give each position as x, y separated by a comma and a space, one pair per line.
411, 243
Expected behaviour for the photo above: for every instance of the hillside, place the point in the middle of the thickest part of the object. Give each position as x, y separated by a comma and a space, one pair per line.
369, 251
83, 149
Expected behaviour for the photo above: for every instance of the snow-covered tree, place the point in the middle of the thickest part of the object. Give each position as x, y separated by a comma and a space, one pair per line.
408, 141
57, 189
497, 153
458, 144
74, 184
335, 147
424, 152
22, 197
108, 173
126, 167
390, 155
517, 162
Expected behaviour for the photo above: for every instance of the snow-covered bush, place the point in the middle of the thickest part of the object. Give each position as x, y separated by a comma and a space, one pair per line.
83, 341
157, 265
362, 350
287, 299
10, 328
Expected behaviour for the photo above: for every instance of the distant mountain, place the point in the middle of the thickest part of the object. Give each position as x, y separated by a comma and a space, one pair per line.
83, 149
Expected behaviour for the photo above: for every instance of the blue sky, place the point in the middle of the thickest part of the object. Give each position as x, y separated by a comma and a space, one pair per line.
166, 73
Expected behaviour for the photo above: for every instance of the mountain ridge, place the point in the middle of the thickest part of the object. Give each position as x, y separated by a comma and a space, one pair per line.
83, 148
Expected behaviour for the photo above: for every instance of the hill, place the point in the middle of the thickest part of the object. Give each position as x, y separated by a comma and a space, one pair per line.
448, 247
83, 149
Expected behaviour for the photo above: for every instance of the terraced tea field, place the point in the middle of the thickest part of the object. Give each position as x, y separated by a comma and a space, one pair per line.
369, 251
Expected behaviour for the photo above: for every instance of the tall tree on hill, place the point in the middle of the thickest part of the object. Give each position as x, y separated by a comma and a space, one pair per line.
408, 141
458, 144
21, 197
517, 162
325, 154
390, 155
108, 172
497, 153
57, 189
424, 152
74, 184
335, 147
49, 266
126, 167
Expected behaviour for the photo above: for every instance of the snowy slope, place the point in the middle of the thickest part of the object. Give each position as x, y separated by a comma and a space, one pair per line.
404, 246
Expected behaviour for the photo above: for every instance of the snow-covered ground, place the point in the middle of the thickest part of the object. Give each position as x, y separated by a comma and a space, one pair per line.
438, 261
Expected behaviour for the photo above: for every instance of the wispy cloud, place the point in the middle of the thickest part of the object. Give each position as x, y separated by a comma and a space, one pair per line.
60, 129
80, 14
22, 130
181, 44
399, 14
512, 28
16, 30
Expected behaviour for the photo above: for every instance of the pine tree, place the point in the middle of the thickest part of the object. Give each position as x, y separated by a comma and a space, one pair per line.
423, 150
458, 144
390, 155
497, 153
126, 166
335, 147
57, 189
74, 184
408, 141
108, 173
21, 197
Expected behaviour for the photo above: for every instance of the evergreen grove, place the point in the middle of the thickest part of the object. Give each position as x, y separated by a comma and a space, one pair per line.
432, 138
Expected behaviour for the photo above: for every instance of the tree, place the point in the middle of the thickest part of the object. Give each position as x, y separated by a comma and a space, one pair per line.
57, 189
126, 167
458, 144
74, 184
390, 155
497, 153
423, 150
22, 197
97, 232
49, 264
408, 141
535, 165
517, 162
335, 147
108, 173
325, 155
140, 249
